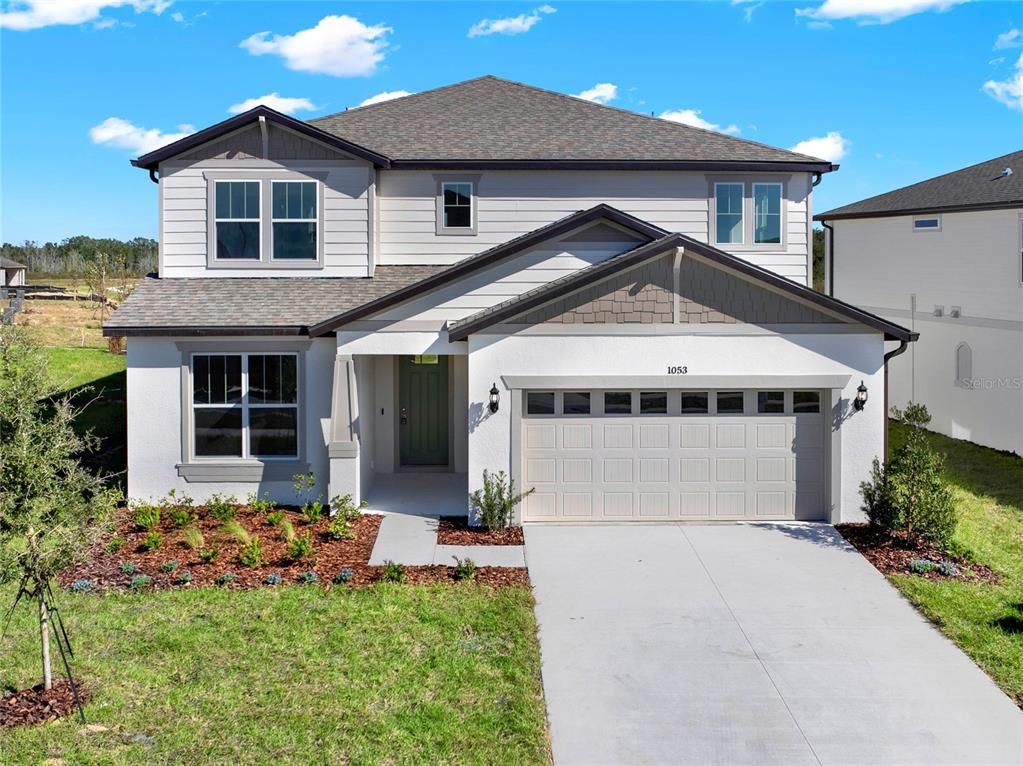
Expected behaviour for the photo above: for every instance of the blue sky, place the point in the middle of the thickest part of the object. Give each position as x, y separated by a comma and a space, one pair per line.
925, 87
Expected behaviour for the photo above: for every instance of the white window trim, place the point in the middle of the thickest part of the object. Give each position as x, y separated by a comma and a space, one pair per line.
924, 229
258, 219
318, 220
245, 405
742, 212
457, 231
472, 196
748, 212
781, 212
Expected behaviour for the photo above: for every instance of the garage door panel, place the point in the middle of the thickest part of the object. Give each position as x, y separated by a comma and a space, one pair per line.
659, 467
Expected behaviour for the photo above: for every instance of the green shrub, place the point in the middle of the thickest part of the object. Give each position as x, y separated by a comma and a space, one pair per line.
287, 530
300, 548
207, 555
236, 532
494, 504
192, 538
180, 516
173, 499
252, 554
222, 507
465, 569
260, 504
309, 577
128, 567
921, 566
312, 511
340, 528
152, 541
344, 507
392, 572
147, 516
274, 518
114, 544
140, 581
908, 493
184, 578
226, 579
168, 566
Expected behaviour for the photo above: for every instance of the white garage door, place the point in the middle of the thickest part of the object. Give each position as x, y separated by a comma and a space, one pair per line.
655, 455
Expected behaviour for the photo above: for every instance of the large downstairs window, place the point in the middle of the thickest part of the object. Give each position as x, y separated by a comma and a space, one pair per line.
245, 405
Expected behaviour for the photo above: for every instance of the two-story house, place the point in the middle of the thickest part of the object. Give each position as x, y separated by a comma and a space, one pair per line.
610, 307
945, 257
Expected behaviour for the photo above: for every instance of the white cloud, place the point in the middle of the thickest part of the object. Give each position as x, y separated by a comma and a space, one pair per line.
341, 46
1011, 39
114, 131
831, 147
749, 8
874, 11
601, 93
387, 95
512, 25
104, 23
22, 15
1010, 90
178, 16
275, 101
692, 117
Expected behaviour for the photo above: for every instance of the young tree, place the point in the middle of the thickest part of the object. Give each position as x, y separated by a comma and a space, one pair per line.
51, 508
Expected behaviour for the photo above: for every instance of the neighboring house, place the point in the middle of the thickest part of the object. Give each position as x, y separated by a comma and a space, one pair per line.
945, 257
12, 273
611, 308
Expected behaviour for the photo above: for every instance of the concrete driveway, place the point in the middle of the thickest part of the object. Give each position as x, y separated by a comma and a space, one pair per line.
748, 644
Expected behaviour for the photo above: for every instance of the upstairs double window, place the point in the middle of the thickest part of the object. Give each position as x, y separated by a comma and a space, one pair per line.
265, 222
748, 214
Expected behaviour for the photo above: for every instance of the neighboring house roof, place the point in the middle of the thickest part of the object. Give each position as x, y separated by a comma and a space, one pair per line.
7, 263
493, 123
489, 257
979, 187
463, 328
249, 306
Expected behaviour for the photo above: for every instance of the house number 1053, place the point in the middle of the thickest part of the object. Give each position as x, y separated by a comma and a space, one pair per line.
677, 370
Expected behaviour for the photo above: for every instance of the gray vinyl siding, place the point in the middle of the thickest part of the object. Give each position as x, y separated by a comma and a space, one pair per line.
346, 229
512, 203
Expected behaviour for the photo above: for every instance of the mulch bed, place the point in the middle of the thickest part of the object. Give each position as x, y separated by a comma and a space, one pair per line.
455, 530
892, 554
102, 568
32, 706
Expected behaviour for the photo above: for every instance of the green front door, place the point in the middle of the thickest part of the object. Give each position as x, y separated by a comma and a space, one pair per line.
423, 410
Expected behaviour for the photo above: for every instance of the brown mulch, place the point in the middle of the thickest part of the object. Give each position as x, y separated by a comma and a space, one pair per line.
103, 569
892, 554
455, 530
32, 706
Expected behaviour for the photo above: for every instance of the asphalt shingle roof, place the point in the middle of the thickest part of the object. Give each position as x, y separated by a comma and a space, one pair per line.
269, 305
978, 186
7, 263
494, 119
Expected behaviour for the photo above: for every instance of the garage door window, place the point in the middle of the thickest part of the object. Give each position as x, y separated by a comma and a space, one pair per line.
730, 403
576, 403
540, 403
770, 402
653, 403
617, 402
694, 403
806, 401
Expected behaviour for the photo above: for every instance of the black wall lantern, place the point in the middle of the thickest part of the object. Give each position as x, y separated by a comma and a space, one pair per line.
495, 398
861, 397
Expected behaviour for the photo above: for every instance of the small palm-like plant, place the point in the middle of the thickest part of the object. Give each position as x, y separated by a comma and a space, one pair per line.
494, 504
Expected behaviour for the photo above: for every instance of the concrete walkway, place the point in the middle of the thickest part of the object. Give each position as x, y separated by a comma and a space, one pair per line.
410, 504
741, 644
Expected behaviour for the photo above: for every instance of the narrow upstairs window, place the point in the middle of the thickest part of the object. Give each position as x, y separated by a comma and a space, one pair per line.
236, 218
728, 213
767, 214
457, 204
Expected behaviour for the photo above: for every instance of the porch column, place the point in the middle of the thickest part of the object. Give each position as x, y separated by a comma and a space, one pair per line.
343, 448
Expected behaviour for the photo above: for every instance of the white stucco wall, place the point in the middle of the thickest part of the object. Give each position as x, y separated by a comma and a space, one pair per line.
154, 421
858, 355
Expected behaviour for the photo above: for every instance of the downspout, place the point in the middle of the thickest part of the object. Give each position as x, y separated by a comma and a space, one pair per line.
903, 345
152, 176
831, 257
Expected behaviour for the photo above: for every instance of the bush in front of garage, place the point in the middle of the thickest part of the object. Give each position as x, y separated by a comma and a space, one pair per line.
908, 494
493, 505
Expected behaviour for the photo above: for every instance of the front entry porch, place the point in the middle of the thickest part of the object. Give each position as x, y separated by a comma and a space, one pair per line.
419, 494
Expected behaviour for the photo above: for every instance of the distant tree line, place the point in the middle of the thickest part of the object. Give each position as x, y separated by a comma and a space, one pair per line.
76, 255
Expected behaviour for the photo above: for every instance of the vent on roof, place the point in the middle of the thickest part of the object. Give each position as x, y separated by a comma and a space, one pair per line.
1006, 172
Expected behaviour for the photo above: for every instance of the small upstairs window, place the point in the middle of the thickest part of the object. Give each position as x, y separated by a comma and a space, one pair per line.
927, 223
457, 197
767, 214
293, 219
237, 220
728, 203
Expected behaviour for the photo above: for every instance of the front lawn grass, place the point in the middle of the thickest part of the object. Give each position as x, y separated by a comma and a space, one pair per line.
985, 620
292, 675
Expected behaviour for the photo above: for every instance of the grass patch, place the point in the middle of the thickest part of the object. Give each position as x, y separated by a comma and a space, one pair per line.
985, 620
388, 674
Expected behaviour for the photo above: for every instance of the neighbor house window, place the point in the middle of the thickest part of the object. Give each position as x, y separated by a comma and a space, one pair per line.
457, 204
237, 220
293, 220
928, 223
767, 214
245, 405
728, 201
964, 365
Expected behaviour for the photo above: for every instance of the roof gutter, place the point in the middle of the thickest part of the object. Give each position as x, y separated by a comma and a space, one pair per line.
152, 176
612, 164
